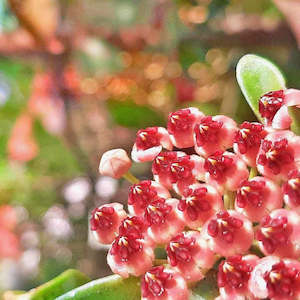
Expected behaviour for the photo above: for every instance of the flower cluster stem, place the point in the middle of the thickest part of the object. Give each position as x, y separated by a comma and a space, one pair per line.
253, 173
229, 200
130, 178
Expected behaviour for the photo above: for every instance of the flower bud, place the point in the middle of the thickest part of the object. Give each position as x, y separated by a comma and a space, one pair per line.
114, 163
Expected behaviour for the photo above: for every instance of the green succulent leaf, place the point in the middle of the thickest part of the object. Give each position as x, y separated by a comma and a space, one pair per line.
115, 287
257, 76
61, 284
294, 113
111, 287
130, 115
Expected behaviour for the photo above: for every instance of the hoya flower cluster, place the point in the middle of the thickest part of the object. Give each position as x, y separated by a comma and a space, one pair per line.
219, 190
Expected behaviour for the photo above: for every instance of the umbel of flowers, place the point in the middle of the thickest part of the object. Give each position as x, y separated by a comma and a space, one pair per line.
219, 190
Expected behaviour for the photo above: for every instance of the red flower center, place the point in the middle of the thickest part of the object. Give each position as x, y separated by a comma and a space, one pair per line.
181, 169
125, 246
102, 218
181, 120
141, 194
270, 103
179, 249
157, 212
251, 192
217, 165
276, 155
292, 187
234, 272
207, 131
154, 282
147, 138
194, 202
133, 227
162, 162
249, 136
274, 232
282, 280
224, 226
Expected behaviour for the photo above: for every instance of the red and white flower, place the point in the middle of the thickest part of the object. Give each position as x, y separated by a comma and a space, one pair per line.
142, 193
279, 234
163, 220
130, 256
233, 276
291, 190
276, 279
181, 124
149, 143
247, 141
213, 134
273, 107
161, 283
228, 233
105, 221
198, 203
279, 153
189, 254
225, 170
257, 197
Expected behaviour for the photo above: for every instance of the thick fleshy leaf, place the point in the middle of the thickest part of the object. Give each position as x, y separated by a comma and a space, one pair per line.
257, 76
116, 288
294, 113
111, 287
61, 284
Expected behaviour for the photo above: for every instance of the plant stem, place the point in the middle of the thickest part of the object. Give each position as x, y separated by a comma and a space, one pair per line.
160, 261
229, 200
130, 177
253, 173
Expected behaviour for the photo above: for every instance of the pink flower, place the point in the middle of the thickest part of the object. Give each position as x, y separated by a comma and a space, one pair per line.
163, 220
142, 193
114, 163
162, 164
291, 190
189, 254
213, 134
279, 153
273, 107
279, 234
161, 283
198, 204
133, 226
225, 170
257, 197
247, 141
149, 143
105, 221
276, 279
130, 256
228, 233
181, 125
185, 171
233, 276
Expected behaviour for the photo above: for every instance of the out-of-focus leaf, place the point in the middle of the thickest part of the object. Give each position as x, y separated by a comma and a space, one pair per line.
294, 113
108, 288
131, 115
207, 288
206, 108
59, 285
116, 288
257, 76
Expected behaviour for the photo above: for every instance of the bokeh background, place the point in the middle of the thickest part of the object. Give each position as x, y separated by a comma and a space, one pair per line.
80, 77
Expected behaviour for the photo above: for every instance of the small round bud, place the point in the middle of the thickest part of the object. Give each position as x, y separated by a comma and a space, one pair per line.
114, 163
